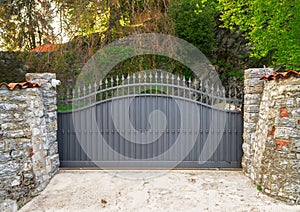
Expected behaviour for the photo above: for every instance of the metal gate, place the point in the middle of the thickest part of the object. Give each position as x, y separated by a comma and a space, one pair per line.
150, 120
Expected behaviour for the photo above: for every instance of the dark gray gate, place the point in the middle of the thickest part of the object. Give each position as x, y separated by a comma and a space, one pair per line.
152, 120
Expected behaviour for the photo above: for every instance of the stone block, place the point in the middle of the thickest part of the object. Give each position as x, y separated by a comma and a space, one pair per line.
4, 157
26, 165
51, 107
13, 134
51, 115
10, 126
291, 156
253, 82
20, 98
292, 88
251, 117
257, 72
9, 168
51, 137
250, 125
36, 131
295, 133
20, 153
254, 90
4, 92
49, 94
8, 106
37, 77
285, 122
246, 148
31, 92
54, 163
39, 111
50, 101
27, 132
255, 97
5, 117
24, 143
52, 126
296, 112
28, 176
283, 133
290, 103
16, 181
10, 144
274, 187
53, 149
251, 109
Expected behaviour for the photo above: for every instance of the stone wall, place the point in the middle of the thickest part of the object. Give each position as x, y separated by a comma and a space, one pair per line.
28, 145
272, 134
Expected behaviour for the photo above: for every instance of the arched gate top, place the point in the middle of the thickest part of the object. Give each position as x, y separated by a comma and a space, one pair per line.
150, 84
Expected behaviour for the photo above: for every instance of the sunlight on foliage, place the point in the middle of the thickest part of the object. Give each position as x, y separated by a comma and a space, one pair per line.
272, 27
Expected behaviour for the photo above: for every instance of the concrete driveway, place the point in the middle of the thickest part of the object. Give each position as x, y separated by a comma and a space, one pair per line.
176, 190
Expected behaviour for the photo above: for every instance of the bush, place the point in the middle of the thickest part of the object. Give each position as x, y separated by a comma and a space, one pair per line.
194, 21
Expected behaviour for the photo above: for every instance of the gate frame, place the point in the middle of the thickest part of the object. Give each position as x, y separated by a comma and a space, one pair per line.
202, 92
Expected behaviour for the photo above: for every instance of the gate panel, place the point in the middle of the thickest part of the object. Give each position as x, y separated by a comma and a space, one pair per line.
78, 154
124, 130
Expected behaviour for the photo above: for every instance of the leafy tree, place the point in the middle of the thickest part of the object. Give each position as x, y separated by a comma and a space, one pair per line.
89, 25
111, 19
25, 24
272, 27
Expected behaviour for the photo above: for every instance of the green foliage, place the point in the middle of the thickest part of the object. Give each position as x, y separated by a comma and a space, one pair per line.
11, 69
259, 188
150, 62
81, 18
272, 27
194, 21
237, 74
93, 24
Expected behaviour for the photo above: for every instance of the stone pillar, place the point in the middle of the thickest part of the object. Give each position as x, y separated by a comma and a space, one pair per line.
272, 134
252, 97
50, 144
28, 144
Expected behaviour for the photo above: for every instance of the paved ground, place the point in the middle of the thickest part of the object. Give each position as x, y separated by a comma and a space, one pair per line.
177, 190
